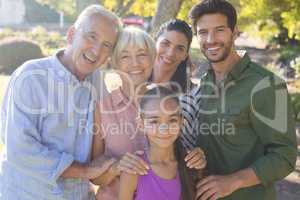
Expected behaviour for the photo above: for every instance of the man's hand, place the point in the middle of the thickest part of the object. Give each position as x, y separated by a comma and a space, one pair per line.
195, 159
88, 171
214, 187
129, 163
98, 166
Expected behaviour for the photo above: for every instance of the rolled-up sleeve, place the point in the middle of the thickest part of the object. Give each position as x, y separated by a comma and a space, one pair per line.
272, 119
22, 135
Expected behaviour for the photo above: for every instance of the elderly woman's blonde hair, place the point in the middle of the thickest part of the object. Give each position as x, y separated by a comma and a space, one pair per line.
92, 10
132, 36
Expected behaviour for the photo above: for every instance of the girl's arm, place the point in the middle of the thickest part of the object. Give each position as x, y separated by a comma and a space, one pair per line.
128, 185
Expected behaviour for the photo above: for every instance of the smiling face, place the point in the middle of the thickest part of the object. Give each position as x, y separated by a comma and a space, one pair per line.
161, 120
91, 44
136, 63
215, 37
172, 49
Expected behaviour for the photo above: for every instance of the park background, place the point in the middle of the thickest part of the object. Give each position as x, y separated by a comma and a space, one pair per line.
270, 33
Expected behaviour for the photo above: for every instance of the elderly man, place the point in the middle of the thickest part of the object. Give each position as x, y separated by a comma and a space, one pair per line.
47, 145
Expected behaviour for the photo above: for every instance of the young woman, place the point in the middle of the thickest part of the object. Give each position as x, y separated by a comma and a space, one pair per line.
172, 63
116, 133
168, 177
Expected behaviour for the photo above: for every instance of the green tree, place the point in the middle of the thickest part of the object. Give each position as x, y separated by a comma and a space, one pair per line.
139, 7
188, 4
271, 19
120, 7
291, 19
144, 8
166, 10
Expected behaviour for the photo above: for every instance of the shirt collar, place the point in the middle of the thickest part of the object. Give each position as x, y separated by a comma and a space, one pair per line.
240, 67
237, 69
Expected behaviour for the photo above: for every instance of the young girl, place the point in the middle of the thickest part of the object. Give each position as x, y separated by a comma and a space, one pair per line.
168, 177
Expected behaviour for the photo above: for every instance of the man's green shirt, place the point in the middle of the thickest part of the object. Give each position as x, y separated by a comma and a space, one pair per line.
247, 121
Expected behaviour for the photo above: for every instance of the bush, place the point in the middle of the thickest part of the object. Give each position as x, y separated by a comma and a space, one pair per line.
288, 53
49, 41
15, 51
296, 64
295, 97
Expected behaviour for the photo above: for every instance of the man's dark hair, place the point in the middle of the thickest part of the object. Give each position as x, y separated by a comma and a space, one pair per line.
213, 7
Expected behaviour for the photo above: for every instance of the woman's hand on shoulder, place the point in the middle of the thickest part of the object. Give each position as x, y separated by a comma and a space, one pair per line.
132, 163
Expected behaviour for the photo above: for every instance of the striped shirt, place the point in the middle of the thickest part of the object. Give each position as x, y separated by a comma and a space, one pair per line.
190, 103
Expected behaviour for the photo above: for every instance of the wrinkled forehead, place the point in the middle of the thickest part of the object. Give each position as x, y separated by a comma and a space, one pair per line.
132, 42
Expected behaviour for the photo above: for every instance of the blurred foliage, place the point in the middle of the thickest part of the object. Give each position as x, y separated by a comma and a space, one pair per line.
188, 4
296, 64
185, 8
121, 7
49, 41
144, 8
267, 18
66, 6
279, 19
15, 51
288, 53
295, 98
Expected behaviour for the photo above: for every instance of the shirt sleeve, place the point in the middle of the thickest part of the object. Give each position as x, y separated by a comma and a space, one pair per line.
272, 119
25, 148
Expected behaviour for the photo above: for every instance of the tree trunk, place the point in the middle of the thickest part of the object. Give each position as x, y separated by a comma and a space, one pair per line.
166, 10
82, 4
123, 9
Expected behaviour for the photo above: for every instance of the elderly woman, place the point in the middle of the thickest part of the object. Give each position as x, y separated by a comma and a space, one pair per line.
116, 133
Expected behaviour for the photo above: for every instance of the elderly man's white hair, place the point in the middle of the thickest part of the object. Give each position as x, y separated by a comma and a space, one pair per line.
97, 10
